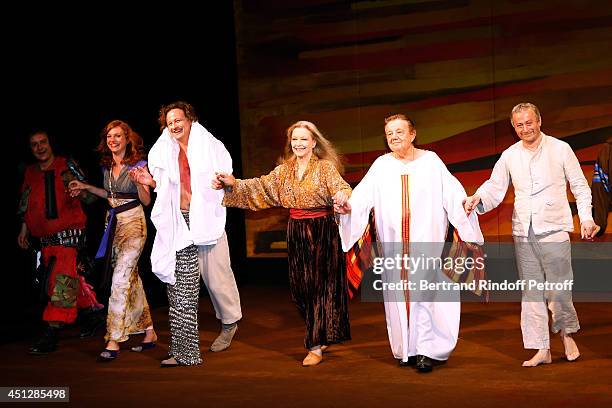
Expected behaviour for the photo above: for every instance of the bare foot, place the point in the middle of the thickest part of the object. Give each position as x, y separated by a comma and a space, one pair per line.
112, 345
150, 336
541, 357
571, 349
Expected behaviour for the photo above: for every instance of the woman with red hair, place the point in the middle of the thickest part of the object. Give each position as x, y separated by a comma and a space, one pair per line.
122, 150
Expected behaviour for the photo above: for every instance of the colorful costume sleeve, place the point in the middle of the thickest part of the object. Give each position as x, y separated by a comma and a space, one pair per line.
601, 188
333, 179
256, 193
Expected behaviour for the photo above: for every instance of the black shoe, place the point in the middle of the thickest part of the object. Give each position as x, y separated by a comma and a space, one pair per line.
90, 326
424, 364
47, 343
411, 362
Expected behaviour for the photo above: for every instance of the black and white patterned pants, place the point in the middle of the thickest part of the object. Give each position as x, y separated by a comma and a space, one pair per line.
183, 307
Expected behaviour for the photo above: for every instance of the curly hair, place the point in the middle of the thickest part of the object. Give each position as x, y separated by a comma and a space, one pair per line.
182, 105
134, 150
324, 149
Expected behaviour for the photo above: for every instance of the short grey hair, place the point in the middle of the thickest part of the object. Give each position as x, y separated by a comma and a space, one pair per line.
525, 106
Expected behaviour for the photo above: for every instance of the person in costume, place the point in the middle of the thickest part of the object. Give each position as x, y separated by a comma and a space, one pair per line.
307, 181
122, 150
55, 221
540, 167
414, 197
601, 187
190, 223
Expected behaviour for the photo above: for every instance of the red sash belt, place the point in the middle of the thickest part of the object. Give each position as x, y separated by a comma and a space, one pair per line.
298, 214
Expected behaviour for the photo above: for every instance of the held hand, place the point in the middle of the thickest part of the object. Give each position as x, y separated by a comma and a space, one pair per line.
469, 203
588, 230
216, 184
75, 188
340, 198
343, 209
142, 176
223, 180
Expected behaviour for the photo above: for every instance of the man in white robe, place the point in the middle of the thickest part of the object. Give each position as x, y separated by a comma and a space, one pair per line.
414, 197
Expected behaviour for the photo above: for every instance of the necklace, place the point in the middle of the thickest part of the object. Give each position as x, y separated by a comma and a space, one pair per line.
110, 186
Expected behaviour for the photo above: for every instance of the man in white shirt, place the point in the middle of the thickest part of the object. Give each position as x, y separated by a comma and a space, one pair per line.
190, 224
539, 167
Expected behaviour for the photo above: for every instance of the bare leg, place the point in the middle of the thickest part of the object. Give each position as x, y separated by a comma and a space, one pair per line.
541, 357
571, 349
150, 335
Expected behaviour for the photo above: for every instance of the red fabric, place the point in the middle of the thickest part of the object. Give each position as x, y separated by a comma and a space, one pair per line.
185, 173
86, 297
69, 210
65, 264
361, 257
298, 214
462, 249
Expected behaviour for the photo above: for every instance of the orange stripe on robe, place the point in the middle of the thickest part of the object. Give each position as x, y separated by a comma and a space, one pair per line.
405, 273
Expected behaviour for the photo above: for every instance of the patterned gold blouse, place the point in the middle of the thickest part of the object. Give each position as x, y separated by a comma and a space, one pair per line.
283, 188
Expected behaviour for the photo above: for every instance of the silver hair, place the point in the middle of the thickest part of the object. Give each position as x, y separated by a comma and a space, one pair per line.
525, 106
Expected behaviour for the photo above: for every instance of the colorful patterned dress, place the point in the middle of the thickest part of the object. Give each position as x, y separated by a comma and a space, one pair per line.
128, 310
317, 269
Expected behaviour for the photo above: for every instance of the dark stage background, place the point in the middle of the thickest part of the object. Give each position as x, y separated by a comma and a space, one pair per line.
251, 68
72, 75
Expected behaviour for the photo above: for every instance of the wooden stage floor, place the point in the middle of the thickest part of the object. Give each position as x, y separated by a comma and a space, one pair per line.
263, 366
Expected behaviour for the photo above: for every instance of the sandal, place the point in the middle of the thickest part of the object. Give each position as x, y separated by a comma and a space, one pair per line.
108, 355
144, 346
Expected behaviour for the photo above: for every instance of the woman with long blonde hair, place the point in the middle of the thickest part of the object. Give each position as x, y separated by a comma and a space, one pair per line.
308, 182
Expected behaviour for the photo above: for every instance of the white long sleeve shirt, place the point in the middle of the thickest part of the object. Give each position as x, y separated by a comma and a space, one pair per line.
540, 180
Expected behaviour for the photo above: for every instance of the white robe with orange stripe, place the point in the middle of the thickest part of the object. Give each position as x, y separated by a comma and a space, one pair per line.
413, 203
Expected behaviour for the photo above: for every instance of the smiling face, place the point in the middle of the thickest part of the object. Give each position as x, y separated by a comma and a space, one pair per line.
178, 125
302, 143
400, 135
527, 126
41, 149
116, 140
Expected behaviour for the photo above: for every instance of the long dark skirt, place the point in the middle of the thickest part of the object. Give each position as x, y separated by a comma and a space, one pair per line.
317, 279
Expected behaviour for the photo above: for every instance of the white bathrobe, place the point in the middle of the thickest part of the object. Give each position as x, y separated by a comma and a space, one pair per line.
206, 155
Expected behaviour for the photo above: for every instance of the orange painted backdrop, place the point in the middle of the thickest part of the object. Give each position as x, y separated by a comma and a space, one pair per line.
455, 66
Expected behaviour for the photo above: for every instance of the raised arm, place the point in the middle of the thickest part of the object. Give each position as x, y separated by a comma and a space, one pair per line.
492, 192
141, 177
76, 188
339, 190
356, 212
453, 197
254, 194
